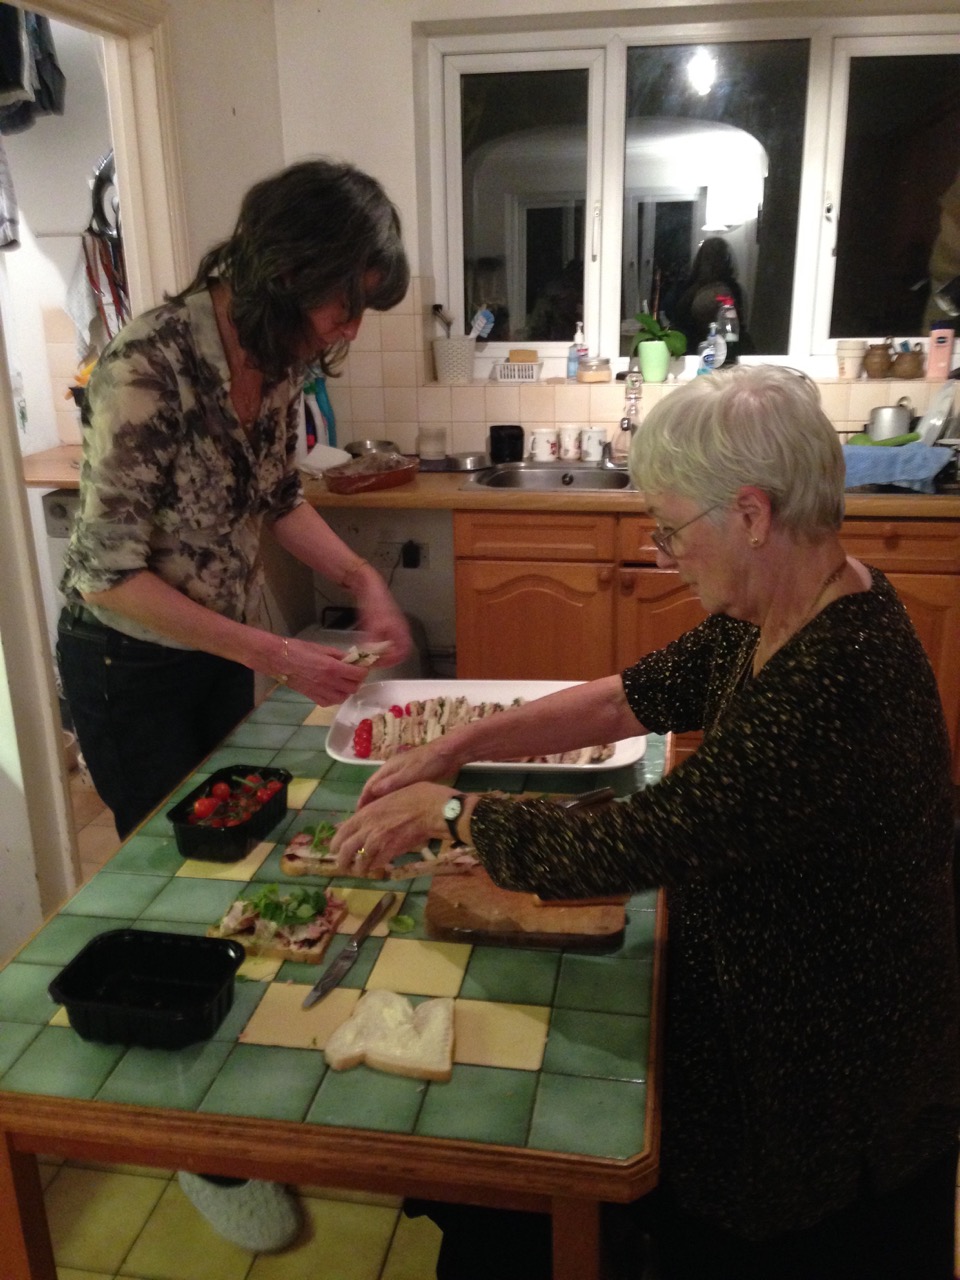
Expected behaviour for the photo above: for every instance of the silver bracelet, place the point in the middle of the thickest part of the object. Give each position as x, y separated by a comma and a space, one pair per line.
284, 678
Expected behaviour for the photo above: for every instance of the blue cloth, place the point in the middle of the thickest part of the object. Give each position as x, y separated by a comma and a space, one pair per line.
911, 466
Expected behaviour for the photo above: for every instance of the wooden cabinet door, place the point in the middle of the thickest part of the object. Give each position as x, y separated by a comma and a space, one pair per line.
653, 608
534, 620
933, 603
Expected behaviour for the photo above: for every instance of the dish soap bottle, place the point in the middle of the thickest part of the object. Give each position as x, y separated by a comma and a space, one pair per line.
578, 349
728, 327
713, 351
620, 448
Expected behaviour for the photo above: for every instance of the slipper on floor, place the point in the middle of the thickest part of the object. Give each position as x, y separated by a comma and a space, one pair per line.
262, 1217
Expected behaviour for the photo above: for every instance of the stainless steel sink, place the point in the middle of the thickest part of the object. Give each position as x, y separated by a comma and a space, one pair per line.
549, 475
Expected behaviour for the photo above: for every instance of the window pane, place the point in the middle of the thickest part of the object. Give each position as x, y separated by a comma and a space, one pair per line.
901, 155
524, 142
714, 144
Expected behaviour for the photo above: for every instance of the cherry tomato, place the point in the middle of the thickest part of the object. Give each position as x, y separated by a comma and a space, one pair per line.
205, 806
221, 790
274, 785
397, 712
264, 794
363, 739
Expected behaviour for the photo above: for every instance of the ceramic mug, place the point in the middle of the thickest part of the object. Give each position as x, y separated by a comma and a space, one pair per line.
506, 443
850, 353
591, 444
544, 444
569, 443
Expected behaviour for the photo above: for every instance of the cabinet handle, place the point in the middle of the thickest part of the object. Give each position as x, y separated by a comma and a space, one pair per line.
605, 575
889, 533
627, 579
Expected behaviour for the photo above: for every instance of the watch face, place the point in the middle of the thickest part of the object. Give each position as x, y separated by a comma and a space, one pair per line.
453, 808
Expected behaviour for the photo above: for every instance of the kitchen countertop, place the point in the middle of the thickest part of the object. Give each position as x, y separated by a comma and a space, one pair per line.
544, 1037
59, 468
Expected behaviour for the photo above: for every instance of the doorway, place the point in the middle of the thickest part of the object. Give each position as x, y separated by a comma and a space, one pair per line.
42, 868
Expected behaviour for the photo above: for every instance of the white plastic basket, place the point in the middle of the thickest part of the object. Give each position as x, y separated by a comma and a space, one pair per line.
518, 372
454, 358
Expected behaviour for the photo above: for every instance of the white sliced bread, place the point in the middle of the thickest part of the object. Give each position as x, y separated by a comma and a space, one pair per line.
387, 1032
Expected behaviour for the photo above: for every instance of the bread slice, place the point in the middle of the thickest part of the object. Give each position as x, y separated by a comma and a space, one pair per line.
387, 1033
368, 654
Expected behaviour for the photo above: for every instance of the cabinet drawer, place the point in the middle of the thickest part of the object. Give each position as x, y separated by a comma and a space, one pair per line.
633, 540
910, 546
502, 536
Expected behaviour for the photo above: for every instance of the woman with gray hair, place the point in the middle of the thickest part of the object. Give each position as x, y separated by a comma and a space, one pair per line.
812, 1074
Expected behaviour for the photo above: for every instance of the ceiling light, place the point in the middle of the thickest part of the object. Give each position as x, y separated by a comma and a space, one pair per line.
702, 72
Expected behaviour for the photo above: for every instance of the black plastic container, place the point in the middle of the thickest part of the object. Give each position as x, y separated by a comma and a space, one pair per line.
228, 844
159, 990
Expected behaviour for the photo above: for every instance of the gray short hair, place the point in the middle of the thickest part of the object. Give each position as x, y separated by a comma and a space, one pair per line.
759, 426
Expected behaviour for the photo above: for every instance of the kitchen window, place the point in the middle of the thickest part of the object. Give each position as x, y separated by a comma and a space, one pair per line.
579, 181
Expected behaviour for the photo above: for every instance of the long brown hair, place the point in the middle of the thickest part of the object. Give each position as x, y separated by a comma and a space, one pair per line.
307, 236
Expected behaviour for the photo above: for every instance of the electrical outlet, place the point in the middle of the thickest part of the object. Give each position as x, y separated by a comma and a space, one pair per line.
385, 556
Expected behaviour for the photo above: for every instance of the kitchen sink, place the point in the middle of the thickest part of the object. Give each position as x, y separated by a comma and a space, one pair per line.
549, 475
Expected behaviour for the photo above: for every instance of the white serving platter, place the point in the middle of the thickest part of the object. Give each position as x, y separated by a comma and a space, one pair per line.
377, 696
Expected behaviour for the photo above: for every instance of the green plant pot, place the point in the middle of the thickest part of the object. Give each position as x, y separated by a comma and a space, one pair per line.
654, 360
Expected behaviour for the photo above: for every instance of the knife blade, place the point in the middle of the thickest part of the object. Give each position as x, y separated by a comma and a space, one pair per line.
344, 961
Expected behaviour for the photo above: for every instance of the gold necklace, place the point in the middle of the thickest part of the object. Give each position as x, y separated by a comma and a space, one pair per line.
833, 576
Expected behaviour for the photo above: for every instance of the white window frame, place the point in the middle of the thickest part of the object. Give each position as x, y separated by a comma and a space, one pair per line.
604, 51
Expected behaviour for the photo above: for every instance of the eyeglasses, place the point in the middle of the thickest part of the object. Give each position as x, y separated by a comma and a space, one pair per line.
662, 539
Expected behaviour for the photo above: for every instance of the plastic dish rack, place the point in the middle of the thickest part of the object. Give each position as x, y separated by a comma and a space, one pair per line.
519, 372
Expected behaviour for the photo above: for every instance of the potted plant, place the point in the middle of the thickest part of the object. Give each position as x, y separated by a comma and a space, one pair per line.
655, 344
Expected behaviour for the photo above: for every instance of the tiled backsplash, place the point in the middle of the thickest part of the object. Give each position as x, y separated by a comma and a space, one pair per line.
387, 389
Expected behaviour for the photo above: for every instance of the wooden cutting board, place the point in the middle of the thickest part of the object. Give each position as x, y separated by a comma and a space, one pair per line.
469, 907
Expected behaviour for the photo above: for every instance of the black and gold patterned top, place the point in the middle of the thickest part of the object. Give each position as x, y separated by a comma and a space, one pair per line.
812, 999
170, 480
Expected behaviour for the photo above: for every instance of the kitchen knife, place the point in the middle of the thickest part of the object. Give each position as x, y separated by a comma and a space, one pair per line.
337, 971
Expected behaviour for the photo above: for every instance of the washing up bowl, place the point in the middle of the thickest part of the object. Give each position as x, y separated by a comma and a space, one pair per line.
549, 476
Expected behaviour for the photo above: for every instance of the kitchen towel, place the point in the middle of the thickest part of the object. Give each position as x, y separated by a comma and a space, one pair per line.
910, 466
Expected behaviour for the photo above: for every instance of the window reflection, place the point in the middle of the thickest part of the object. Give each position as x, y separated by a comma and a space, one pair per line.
718, 130
524, 139
901, 157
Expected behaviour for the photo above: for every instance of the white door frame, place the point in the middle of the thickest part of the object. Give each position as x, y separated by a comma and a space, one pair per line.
143, 127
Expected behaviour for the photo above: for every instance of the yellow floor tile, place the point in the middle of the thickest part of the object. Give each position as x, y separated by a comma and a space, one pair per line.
87, 805
96, 844
488, 1034
341, 1242
413, 1254
417, 968
71, 1273
177, 1243
95, 1217
280, 1019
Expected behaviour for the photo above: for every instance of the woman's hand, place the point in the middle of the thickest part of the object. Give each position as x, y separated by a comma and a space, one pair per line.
383, 829
430, 763
319, 672
381, 619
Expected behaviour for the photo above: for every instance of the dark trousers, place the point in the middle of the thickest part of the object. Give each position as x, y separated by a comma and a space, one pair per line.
906, 1234
145, 715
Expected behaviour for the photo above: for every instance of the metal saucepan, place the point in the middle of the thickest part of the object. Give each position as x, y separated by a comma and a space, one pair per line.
890, 420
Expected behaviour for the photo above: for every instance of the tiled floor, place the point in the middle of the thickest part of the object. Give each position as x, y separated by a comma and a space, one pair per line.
122, 1222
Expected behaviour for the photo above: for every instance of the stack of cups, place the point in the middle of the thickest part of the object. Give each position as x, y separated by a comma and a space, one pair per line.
850, 353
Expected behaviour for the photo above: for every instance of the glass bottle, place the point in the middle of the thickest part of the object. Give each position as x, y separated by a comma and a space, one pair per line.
620, 448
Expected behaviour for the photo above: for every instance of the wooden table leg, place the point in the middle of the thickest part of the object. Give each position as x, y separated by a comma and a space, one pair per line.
24, 1235
576, 1239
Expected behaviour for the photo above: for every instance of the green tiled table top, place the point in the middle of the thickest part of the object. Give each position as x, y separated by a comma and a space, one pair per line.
588, 1097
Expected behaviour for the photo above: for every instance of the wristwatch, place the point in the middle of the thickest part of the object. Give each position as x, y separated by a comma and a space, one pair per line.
451, 815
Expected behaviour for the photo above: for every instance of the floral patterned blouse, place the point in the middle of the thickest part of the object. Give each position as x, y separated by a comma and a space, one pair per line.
170, 481
812, 1041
